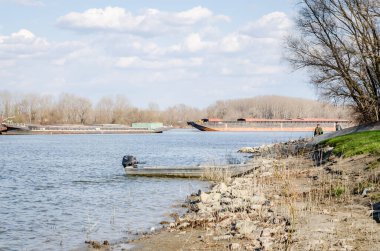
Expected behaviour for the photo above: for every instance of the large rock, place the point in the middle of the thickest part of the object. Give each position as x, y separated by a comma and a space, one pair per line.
210, 198
258, 200
248, 149
266, 242
236, 204
234, 246
245, 227
221, 188
226, 200
241, 193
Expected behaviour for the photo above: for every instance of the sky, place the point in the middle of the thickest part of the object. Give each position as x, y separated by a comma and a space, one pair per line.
157, 51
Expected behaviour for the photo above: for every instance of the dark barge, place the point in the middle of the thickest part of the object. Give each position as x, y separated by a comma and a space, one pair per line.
269, 125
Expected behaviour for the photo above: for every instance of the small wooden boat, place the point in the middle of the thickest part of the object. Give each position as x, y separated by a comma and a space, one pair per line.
204, 172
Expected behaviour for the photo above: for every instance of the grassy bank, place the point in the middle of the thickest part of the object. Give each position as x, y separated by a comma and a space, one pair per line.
355, 144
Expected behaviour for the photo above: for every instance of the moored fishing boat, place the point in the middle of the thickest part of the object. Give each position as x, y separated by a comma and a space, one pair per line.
269, 125
206, 172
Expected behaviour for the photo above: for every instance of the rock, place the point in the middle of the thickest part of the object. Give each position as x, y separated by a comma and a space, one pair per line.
201, 207
222, 237
236, 204
225, 223
266, 242
94, 244
246, 150
234, 246
253, 245
184, 225
241, 193
267, 232
192, 199
210, 198
245, 227
221, 188
226, 200
259, 200
276, 197
254, 235
204, 197
256, 207
216, 206
266, 174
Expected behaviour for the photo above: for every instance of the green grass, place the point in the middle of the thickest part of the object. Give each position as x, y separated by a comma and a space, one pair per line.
355, 144
375, 196
374, 164
338, 191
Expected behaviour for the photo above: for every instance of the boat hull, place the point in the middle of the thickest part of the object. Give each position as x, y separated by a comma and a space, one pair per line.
265, 126
46, 132
21, 129
204, 172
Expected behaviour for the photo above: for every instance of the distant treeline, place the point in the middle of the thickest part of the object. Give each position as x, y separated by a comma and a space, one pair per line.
73, 109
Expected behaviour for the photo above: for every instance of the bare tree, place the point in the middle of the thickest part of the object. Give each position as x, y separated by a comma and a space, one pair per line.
6, 104
103, 110
83, 110
120, 110
338, 42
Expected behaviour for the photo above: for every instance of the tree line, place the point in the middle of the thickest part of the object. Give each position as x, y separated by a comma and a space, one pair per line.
73, 109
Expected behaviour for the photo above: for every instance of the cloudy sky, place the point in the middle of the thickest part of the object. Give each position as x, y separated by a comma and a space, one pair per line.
162, 51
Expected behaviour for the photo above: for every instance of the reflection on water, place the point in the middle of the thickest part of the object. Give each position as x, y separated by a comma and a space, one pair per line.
58, 190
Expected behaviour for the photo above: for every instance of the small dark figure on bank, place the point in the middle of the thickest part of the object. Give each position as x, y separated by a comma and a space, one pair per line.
318, 130
338, 127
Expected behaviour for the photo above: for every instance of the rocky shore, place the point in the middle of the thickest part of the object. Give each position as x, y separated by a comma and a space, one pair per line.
288, 203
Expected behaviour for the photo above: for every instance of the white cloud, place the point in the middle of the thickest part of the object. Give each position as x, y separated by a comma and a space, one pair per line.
194, 42
22, 44
149, 22
275, 24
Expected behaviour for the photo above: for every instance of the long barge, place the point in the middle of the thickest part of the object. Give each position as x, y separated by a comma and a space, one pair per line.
21, 129
268, 125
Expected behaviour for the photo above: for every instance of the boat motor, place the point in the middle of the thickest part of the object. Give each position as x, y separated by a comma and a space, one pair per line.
129, 160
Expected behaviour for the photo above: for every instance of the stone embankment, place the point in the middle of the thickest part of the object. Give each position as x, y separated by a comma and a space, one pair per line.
238, 211
288, 203
277, 150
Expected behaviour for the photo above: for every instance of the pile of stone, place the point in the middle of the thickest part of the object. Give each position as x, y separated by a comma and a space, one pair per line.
237, 211
290, 148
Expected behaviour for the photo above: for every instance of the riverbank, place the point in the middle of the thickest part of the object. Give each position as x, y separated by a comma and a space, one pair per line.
291, 202
304, 208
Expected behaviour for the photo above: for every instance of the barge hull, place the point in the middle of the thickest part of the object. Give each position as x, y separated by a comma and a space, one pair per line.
269, 125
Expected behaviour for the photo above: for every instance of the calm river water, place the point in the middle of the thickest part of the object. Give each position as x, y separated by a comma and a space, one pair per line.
56, 191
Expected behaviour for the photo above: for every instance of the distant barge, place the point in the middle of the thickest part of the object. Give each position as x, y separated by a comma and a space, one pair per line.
268, 125
17, 129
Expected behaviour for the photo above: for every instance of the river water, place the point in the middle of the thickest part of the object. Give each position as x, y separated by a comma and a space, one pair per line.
56, 191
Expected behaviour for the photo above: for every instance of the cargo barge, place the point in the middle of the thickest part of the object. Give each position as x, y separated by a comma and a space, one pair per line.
268, 125
20, 129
